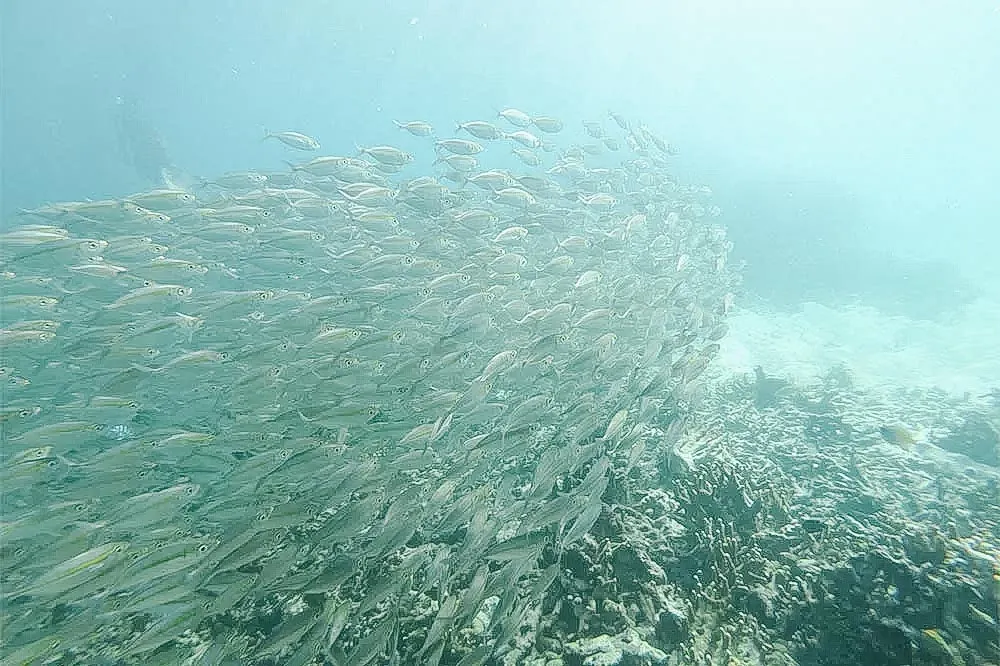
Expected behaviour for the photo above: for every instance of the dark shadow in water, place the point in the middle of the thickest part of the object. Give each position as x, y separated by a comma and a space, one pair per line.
142, 147
140, 144
800, 241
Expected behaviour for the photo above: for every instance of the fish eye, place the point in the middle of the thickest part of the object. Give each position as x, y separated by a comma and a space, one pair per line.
318, 237
408, 260
223, 356
162, 218
265, 213
99, 427
147, 283
355, 334
152, 352
425, 364
93, 245
24, 413
464, 277
414, 244
264, 295
426, 292
203, 548
133, 404
190, 490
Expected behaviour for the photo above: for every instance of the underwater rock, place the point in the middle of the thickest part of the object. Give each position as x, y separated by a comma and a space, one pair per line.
633, 567
977, 438
889, 643
624, 649
673, 626
767, 389
760, 602
921, 548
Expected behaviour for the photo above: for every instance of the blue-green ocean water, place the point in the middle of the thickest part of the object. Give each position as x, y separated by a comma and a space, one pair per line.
834, 125
375, 400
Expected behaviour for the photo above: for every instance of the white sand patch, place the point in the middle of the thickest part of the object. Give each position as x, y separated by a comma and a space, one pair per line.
960, 354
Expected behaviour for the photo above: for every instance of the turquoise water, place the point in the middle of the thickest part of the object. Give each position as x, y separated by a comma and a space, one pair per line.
396, 333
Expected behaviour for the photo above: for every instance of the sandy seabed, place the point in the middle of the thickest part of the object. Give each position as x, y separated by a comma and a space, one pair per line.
959, 353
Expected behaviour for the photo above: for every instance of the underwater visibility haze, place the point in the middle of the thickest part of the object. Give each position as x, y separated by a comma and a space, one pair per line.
461, 333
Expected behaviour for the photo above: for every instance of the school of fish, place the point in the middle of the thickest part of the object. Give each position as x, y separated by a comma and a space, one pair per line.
349, 386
